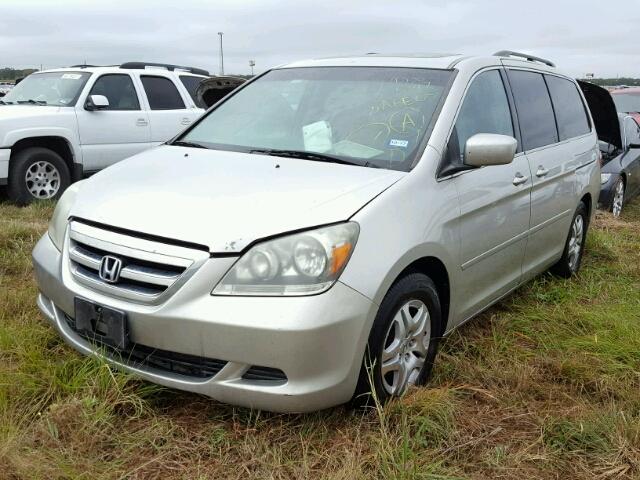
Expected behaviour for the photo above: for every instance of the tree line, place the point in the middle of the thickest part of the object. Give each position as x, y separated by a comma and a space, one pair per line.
628, 81
8, 73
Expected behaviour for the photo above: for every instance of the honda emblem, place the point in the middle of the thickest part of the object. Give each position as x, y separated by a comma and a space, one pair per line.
110, 268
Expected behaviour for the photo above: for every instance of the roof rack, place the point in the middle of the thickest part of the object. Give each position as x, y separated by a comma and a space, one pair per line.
167, 66
526, 56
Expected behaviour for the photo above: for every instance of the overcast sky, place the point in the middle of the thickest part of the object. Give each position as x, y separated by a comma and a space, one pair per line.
587, 36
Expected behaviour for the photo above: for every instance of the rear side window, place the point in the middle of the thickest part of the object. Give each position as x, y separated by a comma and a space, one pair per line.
535, 113
161, 93
119, 90
191, 83
485, 109
570, 111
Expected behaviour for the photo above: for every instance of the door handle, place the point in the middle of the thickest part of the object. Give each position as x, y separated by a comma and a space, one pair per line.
542, 172
141, 122
520, 179
186, 121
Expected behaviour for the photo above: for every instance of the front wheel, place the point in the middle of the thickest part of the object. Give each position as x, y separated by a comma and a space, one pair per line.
403, 341
571, 259
618, 198
37, 173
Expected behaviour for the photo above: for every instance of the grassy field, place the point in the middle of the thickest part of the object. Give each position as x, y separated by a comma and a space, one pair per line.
544, 385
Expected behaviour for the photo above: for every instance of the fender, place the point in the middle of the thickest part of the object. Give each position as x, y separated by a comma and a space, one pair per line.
71, 137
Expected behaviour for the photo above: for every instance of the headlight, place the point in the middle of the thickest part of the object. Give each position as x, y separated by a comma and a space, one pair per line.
604, 178
301, 264
58, 223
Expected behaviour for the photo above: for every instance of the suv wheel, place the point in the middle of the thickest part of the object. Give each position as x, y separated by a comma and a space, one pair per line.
37, 173
618, 198
571, 259
403, 341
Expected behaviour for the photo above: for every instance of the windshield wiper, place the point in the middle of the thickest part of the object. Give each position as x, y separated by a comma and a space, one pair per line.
33, 102
314, 156
180, 143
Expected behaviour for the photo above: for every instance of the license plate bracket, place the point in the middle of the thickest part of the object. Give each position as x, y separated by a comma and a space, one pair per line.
102, 324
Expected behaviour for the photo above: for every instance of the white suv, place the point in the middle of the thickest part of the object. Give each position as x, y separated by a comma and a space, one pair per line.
58, 126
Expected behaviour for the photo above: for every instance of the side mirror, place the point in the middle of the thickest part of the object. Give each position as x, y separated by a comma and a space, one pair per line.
96, 102
485, 149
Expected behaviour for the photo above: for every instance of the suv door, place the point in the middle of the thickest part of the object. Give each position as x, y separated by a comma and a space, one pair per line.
494, 201
556, 138
168, 112
116, 132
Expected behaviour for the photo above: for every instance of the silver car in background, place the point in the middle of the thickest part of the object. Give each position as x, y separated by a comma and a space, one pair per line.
316, 233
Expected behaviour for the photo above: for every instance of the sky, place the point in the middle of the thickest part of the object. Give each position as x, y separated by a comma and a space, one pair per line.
580, 37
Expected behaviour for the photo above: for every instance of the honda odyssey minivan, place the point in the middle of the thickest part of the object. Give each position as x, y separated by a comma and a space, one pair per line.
315, 234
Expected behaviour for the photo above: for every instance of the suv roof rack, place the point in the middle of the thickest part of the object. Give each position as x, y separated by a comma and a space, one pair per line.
526, 56
167, 66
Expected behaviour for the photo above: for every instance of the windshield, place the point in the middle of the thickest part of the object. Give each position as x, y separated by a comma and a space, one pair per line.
364, 115
60, 89
627, 102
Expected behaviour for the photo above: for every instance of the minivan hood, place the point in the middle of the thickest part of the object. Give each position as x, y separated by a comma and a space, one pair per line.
225, 200
604, 113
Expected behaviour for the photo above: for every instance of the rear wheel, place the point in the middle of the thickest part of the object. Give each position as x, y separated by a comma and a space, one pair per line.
403, 341
571, 259
618, 198
37, 173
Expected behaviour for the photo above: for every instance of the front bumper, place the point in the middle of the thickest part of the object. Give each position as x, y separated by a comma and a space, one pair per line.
317, 341
5, 155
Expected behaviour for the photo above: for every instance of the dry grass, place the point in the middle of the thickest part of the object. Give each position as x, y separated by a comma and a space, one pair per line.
544, 385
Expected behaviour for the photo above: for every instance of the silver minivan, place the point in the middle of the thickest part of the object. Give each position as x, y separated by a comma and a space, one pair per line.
314, 235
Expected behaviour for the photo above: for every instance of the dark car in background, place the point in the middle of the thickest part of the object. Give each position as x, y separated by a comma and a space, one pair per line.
619, 140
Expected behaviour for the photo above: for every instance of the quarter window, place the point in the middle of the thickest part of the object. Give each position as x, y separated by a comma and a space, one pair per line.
535, 113
485, 109
161, 93
119, 90
567, 104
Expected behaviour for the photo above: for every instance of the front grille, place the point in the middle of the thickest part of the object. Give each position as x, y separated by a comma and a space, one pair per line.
265, 373
149, 358
149, 268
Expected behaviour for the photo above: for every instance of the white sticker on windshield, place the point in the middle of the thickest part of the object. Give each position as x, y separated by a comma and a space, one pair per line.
394, 142
71, 76
317, 137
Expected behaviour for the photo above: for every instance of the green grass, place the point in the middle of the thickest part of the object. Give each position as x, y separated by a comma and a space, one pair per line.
544, 385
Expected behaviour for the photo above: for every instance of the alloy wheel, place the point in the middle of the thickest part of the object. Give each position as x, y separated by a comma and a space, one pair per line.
575, 242
42, 180
618, 198
405, 347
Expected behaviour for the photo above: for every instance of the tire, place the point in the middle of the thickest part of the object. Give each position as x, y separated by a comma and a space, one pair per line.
571, 260
37, 173
412, 293
617, 201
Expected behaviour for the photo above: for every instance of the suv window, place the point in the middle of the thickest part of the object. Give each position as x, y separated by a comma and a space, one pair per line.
570, 111
485, 109
119, 90
535, 113
191, 83
161, 93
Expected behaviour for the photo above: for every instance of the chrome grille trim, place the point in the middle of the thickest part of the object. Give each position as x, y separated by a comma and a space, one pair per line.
151, 270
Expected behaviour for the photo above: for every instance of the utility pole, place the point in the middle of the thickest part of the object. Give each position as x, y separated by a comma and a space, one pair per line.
252, 63
221, 55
